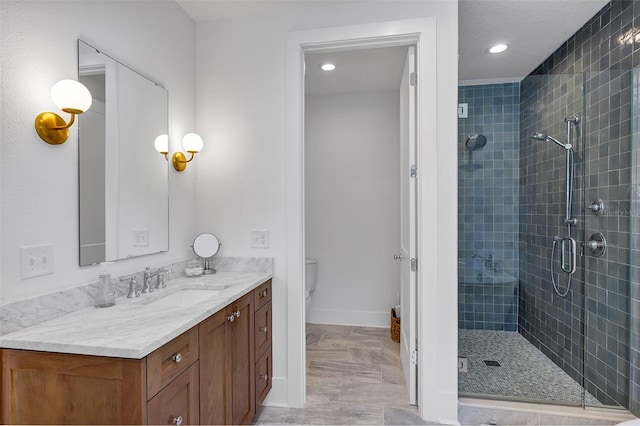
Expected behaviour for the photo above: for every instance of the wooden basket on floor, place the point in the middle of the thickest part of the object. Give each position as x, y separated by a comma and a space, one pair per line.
395, 327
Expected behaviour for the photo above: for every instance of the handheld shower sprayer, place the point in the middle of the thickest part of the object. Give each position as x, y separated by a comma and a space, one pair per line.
568, 247
544, 137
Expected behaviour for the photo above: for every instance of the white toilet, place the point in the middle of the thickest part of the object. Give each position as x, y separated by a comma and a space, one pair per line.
311, 278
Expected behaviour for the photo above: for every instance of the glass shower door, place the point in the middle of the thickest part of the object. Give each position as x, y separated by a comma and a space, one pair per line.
610, 224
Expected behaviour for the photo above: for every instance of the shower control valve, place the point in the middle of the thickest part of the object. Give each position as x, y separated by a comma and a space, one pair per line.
597, 244
596, 207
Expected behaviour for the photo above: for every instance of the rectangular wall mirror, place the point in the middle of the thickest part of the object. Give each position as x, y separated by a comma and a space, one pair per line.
123, 181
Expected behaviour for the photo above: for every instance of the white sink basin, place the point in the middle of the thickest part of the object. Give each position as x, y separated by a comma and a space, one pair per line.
185, 298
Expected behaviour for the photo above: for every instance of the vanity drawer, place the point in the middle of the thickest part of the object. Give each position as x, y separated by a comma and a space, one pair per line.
178, 403
262, 330
167, 362
264, 374
262, 294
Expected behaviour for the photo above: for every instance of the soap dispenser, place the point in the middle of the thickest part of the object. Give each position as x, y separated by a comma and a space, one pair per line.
106, 292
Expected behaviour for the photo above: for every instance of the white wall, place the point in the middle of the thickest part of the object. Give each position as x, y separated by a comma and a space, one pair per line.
241, 104
352, 206
39, 182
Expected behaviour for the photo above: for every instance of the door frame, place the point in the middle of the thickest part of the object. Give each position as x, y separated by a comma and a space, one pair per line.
436, 297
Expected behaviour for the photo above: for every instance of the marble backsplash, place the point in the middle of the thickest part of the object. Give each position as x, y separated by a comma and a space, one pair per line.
25, 313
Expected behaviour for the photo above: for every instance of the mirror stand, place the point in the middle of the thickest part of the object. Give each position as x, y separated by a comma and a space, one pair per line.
206, 246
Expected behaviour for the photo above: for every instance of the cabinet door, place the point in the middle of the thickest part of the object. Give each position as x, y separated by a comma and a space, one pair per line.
215, 369
262, 330
177, 404
242, 360
51, 388
264, 374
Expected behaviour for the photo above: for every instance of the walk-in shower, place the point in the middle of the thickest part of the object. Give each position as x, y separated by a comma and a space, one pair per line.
543, 318
568, 246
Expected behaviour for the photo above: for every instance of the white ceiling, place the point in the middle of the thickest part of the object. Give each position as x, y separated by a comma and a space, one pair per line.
533, 28
366, 70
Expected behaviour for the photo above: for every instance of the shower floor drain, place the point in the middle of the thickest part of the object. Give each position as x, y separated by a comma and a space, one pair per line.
491, 363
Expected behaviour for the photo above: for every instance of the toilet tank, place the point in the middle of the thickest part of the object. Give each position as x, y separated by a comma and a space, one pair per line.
311, 273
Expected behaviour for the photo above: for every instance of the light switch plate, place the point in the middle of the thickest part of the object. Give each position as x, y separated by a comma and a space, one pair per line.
36, 261
463, 110
260, 238
140, 237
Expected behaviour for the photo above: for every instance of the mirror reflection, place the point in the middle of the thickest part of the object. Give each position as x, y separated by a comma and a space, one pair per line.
123, 182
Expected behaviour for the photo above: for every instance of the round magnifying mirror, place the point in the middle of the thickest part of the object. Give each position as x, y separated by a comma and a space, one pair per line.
206, 245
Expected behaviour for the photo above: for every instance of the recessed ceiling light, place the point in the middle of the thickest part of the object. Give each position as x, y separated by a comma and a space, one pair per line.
498, 48
327, 66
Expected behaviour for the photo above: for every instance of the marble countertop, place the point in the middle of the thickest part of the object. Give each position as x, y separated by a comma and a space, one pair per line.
134, 328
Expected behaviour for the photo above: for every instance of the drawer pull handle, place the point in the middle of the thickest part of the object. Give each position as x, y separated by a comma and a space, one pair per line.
231, 318
263, 329
237, 314
264, 377
177, 420
177, 357
264, 293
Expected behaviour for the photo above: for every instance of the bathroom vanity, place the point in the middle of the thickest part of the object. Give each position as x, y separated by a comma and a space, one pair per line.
198, 352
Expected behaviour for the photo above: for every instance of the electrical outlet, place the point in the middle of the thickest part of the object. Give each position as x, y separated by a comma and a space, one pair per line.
36, 261
140, 237
260, 238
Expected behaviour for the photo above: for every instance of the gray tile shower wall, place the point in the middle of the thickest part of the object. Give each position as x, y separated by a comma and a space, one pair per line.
488, 208
553, 324
590, 72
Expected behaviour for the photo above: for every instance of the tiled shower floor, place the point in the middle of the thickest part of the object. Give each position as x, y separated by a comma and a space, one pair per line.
524, 372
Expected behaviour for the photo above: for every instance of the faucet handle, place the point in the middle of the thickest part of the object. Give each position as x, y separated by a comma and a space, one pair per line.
162, 275
134, 291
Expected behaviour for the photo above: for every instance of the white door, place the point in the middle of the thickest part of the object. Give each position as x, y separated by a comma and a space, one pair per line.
408, 295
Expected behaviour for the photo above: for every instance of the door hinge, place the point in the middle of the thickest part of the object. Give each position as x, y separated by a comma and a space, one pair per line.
413, 79
414, 264
413, 171
414, 357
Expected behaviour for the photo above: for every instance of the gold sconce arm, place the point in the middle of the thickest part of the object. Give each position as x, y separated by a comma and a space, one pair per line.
179, 160
52, 128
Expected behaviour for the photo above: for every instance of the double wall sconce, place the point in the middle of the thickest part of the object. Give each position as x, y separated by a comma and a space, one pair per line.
71, 97
191, 142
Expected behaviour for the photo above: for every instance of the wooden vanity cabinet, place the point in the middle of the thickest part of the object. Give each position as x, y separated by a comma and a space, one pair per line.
212, 374
53, 388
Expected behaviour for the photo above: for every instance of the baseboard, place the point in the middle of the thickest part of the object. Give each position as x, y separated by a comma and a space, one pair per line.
277, 396
345, 317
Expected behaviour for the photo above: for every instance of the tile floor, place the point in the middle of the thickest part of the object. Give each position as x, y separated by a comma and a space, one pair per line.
354, 377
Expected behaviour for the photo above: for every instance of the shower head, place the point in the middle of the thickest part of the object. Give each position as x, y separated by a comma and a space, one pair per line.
539, 136
475, 142
543, 137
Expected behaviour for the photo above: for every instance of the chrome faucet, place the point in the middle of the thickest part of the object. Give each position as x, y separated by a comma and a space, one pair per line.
159, 274
134, 291
162, 275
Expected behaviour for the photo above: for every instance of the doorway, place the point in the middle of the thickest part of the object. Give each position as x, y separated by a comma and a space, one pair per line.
360, 213
437, 399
